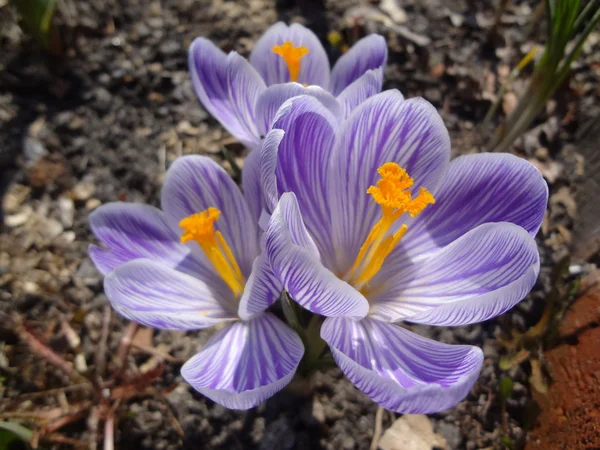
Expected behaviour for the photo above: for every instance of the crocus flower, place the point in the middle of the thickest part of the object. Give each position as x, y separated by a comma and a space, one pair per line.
194, 264
374, 226
285, 62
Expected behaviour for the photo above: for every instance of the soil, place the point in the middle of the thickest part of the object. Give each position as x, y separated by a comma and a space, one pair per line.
570, 416
101, 122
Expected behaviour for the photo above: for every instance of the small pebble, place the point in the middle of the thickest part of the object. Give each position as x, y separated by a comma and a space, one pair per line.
66, 209
51, 229
92, 203
83, 191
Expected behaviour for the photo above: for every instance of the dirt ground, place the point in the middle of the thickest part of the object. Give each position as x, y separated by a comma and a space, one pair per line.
571, 412
102, 122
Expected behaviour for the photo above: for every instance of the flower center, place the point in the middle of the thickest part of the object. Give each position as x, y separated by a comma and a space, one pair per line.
292, 56
395, 199
200, 228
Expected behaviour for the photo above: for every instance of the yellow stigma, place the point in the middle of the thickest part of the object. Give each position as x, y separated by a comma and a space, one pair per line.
292, 56
395, 199
201, 229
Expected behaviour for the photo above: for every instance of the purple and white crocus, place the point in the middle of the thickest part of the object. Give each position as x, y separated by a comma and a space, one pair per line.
372, 226
194, 264
285, 62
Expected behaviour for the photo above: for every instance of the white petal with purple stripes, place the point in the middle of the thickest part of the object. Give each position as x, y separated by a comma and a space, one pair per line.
400, 370
314, 67
479, 276
261, 291
129, 231
246, 363
268, 165
251, 184
195, 183
208, 69
303, 162
368, 53
276, 95
294, 259
245, 87
368, 85
477, 189
157, 296
384, 128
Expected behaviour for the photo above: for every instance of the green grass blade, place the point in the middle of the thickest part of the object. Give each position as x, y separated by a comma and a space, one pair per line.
36, 16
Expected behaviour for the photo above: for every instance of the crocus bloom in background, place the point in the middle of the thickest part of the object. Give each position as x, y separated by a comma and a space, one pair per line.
286, 61
374, 226
195, 264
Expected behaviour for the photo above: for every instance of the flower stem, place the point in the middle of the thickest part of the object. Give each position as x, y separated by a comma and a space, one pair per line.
315, 356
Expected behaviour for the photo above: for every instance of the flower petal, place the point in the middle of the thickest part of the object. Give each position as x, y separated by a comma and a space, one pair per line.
368, 85
212, 79
382, 129
262, 289
314, 68
157, 296
246, 363
195, 183
477, 189
400, 370
268, 166
369, 53
245, 87
276, 95
131, 231
294, 259
303, 162
479, 276
251, 184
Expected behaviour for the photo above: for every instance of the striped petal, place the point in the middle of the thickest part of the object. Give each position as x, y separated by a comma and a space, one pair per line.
268, 165
245, 87
314, 68
400, 370
294, 259
479, 276
262, 289
195, 183
276, 95
213, 76
251, 184
157, 296
477, 189
129, 231
246, 363
368, 85
385, 128
368, 53
303, 157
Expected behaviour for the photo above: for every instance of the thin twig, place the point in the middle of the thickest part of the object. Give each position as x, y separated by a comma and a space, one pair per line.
48, 415
101, 353
378, 428
75, 343
124, 347
65, 420
46, 352
60, 439
109, 427
109, 432
92, 426
155, 352
171, 412
51, 392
